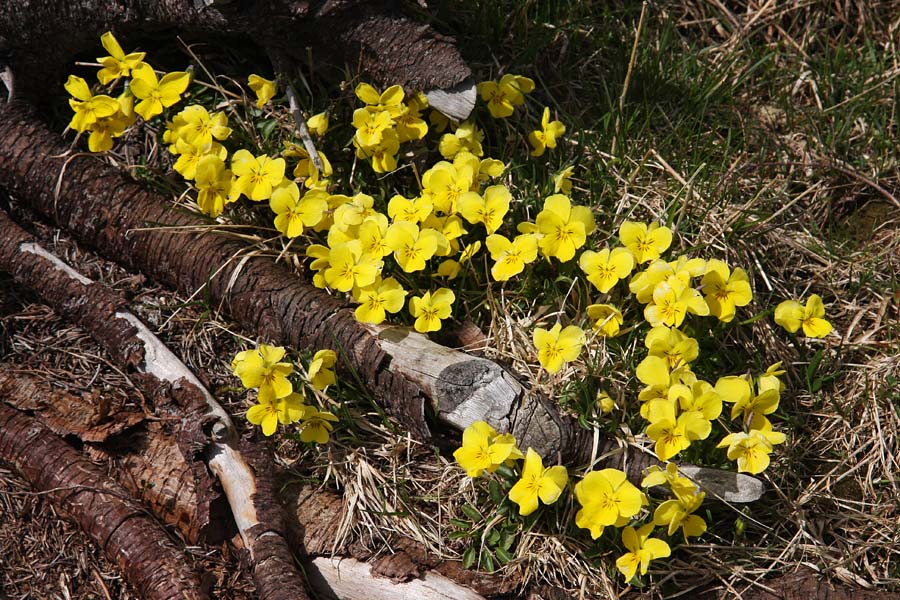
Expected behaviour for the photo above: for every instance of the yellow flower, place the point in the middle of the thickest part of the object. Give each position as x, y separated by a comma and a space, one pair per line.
444, 183
642, 548
605, 268
430, 309
563, 227
409, 123
510, 257
156, 94
488, 210
256, 176
319, 371
558, 345
562, 181
678, 513
751, 450
737, 389
674, 435
316, 425
264, 414
484, 450
269, 413
671, 303
262, 368
213, 183
645, 243
412, 246
197, 127
350, 267
546, 136
606, 498
467, 137
607, 319
404, 209
118, 64
390, 101
725, 290
383, 154
106, 128
790, 314
370, 126
537, 482
604, 402
371, 235
671, 477
293, 213
189, 156
673, 345
88, 108
378, 299
318, 124
264, 88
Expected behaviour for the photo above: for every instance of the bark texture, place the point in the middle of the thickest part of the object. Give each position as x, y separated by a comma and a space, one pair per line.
102, 508
110, 212
42, 39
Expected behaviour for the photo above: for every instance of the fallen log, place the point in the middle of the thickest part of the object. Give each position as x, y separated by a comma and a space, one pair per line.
404, 370
154, 469
102, 508
39, 39
108, 211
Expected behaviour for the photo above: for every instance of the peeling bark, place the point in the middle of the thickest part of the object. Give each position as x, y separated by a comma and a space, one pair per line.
102, 508
41, 39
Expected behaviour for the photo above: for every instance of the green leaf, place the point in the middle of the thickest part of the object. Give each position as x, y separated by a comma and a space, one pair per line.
469, 557
487, 561
460, 524
496, 491
471, 512
493, 537
506, 540
503, 556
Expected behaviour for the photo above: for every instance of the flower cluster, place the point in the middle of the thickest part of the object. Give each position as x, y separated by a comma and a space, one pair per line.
264, 369
386, 121
105, 117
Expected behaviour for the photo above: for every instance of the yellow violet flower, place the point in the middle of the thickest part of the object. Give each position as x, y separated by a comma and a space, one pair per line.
404, 209
390, 101
293, 213
264, 89
197, 127
318, 124
382, 154
674, 435
751, 450
670, 476
213, 183
106, 128
118, 64
412, 246
671, 303
671, 344
156, 94
738, 390
546, 136
678, 513
88, 108
268, 413
350, 267
375, 301
262, 368
645, 243
430, 309
502, 97
484, 450
189, 156
371, 234
791, 315
511, 256
319, 371
604, 402
409, 123
537, 482
607, 319
444, 183
563, 227
558, 346
724, 290
562, 181
488, 210
256, 176
605, 268
316, 426
370, 126
606, 498
467, 137
642, 549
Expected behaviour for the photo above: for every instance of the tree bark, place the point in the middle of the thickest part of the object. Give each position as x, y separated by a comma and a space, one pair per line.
108, 211
102, 508
41, 37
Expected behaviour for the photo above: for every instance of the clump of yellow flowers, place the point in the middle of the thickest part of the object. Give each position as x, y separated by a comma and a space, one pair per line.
411, 248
